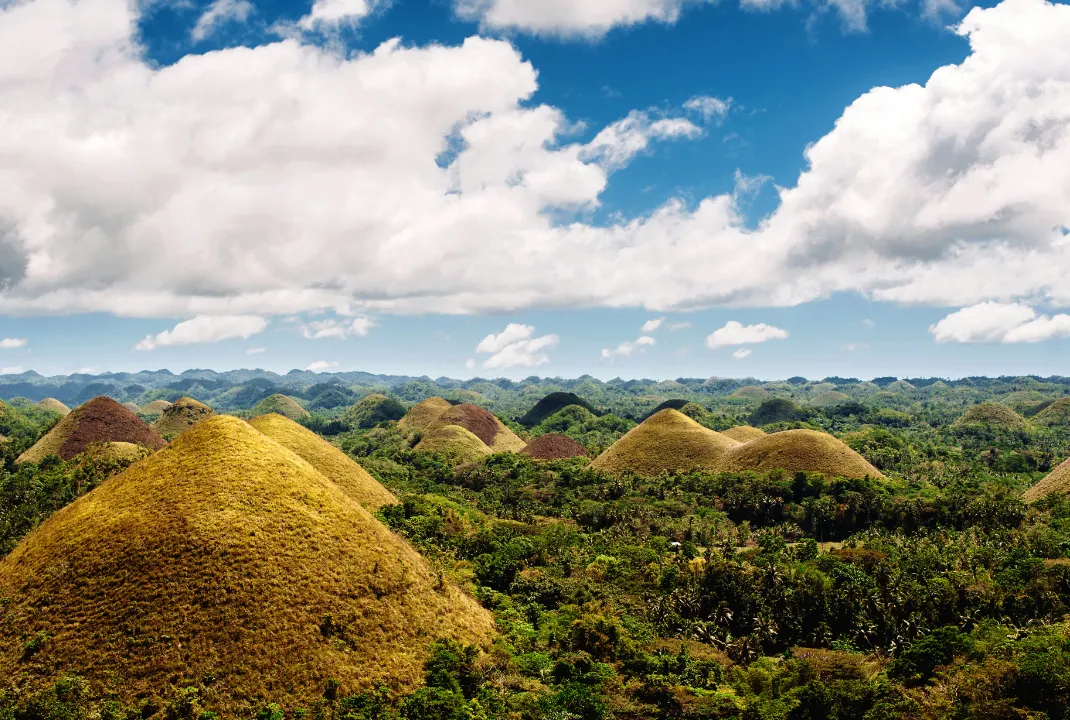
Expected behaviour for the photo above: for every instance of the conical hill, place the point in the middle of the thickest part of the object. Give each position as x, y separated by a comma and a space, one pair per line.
225, 555
283, 405
454, 442
796, 451
667, 441
99, 420
54, 405
329, 460
156, 407
1055, 415
554, 447
743, 433
484, 425
180, 417
423, 414
1058, 481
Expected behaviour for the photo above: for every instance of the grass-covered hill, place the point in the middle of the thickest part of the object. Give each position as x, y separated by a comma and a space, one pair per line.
668, 441
179, 417
225, 556
99, 420
795, 451
280, 405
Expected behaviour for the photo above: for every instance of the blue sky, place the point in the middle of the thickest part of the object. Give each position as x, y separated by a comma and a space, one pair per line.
233, 183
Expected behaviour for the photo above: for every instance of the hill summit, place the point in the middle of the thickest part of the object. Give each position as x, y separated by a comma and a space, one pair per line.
668, 441
225, 555
99, 420
180, 417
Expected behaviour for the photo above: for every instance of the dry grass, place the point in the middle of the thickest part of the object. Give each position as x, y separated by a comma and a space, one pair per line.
225, 555
55, 406
156, 407
798, 450
131, 406
456, 443
666, 442
180, 417
830, 397
423, 415
1055, 415
994, 415
751, 392
115, 452
743, 433
281, 404
99, 420
1058, 481
484, 425
554, 447
327, 459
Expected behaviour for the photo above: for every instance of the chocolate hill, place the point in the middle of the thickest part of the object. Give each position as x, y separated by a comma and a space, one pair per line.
554, 447
99, 420
224, 555
484, 425
281, 404
1058, 481
180, 417
54, 405
798, 450
743, 433
666, 442
421, 416
327, 459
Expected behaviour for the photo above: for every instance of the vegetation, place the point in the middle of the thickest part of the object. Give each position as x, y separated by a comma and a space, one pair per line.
372, 410
280, 405
797, 451
743, 433
180, 417
99, 420
554, 403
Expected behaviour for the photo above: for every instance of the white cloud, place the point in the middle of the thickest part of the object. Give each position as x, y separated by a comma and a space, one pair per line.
676, 327
337, 329
206, 329
651, 325
587, 18
13, 370
333, 13
854, 346
868, 324
993, 322
625, 349
321, 365
215, 189
12, 343
712, 109
219, 13
256, 351
516, 347
741, 353
736, 333
470, 363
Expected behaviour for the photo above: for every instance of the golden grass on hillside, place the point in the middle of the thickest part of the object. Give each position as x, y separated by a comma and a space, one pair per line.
901, 386
131, 406
743, 433
99, 420
483, 424
180, 417
830, 397
798, 450
995, 415
281, 404
666, 441
1058, 481
422, 415
1055, 415
454, 442
224, 555
751, 392
156, 407
327, 459
54, 405
115, 452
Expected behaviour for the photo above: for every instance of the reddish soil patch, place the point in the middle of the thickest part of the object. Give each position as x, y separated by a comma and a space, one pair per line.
104, 420
472, 418
554, 447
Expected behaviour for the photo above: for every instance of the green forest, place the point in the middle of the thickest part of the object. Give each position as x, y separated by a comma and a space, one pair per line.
931, 584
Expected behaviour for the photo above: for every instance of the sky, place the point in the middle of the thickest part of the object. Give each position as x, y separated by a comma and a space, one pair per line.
621, 188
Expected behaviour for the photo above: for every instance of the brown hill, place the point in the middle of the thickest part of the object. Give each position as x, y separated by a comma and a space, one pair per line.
554, 447
422, 415
1058, 481
743, 433
666, 442
180, 417
484, 425
156, 407
99, 420
225, 555
54, 405
455, 442
327, 459
796, 451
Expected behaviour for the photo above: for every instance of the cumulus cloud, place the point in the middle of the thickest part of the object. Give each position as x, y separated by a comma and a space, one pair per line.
327, 14
625, 349
588, 18
214, 189
516, 346
337, 329
993, 322
219, 13
741, 353
712, 109
736, 333
651, 325
206, 329
321, 365
13, 343
677, 327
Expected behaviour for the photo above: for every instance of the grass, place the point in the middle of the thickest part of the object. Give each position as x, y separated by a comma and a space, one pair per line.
829, 397
456, 443
156, 407
743, 433
554, 447
372, 410
54, 405
180, 417
282, 405
484, 425
224, 555
994, 415
131, 406
751, 392
99, 420
1055, 415
422, 415
113, 452
1058, 481
666, 442
798, 450
327, 459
